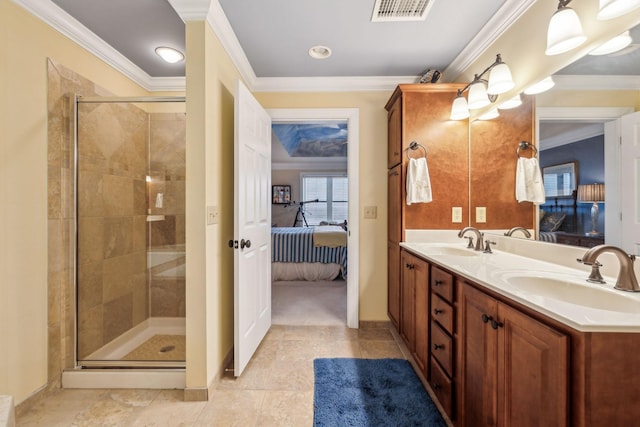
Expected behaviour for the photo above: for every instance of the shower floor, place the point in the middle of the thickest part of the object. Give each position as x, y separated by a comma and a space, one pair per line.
159, 347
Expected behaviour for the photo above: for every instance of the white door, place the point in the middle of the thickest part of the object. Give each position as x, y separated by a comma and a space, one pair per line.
252, 226
630, 182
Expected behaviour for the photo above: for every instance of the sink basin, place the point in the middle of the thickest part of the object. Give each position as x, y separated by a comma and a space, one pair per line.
571, 290
455, 251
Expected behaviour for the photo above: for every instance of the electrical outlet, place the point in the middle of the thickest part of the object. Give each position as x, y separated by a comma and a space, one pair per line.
370, 212
212, 215
481, 214
456, 214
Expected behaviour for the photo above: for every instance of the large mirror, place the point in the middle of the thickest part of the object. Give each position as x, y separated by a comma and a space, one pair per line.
577, 123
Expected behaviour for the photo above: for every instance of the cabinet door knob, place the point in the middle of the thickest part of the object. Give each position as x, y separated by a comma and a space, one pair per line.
436, 386
496, 325
437, 311
438, 346
437, 282
486, 318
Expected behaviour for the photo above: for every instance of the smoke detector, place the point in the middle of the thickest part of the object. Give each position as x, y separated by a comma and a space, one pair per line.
400, 10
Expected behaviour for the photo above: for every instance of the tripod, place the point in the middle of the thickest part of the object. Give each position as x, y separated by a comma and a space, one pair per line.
300, 214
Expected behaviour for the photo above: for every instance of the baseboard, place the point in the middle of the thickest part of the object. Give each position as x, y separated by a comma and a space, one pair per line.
200, 394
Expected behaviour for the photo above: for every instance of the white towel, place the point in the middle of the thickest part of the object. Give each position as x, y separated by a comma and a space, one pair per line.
418, 182
529, 183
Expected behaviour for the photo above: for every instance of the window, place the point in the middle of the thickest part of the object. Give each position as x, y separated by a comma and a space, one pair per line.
331, 191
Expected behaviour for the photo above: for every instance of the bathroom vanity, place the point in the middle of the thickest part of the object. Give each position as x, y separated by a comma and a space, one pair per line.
503, 339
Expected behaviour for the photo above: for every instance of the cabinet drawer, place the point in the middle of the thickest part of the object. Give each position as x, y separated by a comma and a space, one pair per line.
442, 387
442, 312
442, 284
442, 348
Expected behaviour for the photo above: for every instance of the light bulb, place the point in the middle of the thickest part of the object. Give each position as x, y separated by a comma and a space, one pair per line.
459, 109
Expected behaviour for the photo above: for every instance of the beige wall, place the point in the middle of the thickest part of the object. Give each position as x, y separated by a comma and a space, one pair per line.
372, 184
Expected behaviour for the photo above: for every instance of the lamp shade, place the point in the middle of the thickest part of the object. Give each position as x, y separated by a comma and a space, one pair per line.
591, 193
617, 43
500, 80
491, 114
459, 109
514, 102
478, 96
541, 86
610, 9
564, 32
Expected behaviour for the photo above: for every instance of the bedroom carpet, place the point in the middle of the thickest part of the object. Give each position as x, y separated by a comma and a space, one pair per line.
370, 392
309, 303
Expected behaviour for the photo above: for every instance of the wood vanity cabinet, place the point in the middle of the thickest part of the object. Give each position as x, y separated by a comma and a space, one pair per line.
512, 369
414, 317
394, 134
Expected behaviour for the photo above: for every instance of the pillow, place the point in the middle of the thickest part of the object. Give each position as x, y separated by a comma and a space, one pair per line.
552, 221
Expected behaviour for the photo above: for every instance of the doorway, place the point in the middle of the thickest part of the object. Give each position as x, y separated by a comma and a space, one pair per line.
323, 296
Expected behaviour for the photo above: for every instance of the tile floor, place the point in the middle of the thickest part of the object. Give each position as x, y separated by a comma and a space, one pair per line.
276, 389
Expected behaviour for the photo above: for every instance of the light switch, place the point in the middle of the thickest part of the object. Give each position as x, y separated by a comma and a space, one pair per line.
370, 212
481, 214
212, 215
456, 214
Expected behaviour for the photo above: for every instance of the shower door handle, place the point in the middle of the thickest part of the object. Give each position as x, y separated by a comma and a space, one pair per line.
245, 244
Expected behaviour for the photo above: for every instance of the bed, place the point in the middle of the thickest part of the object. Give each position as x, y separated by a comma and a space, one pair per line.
308, 253
558, 216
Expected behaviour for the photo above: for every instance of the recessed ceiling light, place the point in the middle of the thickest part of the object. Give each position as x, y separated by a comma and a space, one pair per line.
169, 54
320, 52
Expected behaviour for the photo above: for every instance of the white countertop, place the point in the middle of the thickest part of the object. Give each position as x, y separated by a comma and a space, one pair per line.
581, 305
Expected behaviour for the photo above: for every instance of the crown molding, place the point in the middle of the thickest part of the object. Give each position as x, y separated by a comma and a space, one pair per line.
595, 82
509, 13
191, 10
575, 135
329, 84
58, 19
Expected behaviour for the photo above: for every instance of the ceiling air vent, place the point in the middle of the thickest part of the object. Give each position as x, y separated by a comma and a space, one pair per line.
400, 10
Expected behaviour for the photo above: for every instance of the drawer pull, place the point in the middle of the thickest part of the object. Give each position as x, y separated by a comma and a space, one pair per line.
485, 318
437, 311
436, 386
438, 346
438, 282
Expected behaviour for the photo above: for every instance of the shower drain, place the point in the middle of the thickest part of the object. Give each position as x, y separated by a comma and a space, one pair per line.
167, 348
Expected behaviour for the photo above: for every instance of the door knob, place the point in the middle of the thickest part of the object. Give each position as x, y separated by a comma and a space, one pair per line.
245, 244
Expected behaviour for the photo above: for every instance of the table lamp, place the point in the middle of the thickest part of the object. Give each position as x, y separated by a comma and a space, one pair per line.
592, 193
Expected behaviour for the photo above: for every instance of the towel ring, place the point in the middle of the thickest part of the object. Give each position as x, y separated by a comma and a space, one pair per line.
523, 145
414, 146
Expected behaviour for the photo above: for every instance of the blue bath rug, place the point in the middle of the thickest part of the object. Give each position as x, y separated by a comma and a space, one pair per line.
370, 392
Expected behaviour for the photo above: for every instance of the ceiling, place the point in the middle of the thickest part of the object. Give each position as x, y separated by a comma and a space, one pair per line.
274, 36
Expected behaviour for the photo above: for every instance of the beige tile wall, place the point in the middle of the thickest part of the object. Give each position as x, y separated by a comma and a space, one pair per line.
113, 204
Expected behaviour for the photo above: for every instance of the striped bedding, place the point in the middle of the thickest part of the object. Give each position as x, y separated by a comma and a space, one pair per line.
295, 244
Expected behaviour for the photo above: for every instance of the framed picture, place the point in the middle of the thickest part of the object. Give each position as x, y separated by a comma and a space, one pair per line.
280, 194
560, 180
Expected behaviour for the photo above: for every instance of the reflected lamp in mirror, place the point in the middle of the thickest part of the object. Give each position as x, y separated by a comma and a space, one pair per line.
565, 30
592, 193
610, 9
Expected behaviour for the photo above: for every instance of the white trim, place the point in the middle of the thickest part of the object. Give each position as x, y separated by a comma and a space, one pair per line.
323, 165
353, 172
581, 113
59, 20
575, 135
125, 378
509, 13
329, 84
191, 10
595, 82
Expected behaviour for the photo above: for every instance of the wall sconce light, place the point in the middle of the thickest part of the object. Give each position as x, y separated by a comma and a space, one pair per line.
483, 92
491, 114
610, 9
542, 86
514, 102
617, 43
565, 30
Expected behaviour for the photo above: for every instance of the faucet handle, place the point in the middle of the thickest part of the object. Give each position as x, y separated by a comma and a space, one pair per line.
470, 244
595, 276
487, 246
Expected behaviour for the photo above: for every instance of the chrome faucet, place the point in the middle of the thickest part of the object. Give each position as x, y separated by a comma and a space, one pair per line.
514, 229
479, 243
626, 277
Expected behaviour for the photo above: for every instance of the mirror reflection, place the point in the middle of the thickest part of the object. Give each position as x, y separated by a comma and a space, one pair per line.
580, 137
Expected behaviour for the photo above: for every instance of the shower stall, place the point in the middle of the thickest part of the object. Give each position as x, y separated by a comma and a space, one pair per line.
130, 232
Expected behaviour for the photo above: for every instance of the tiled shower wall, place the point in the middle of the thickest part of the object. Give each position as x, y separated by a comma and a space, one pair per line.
113, 206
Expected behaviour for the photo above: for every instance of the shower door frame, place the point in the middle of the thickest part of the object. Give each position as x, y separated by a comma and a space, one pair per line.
81, 364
